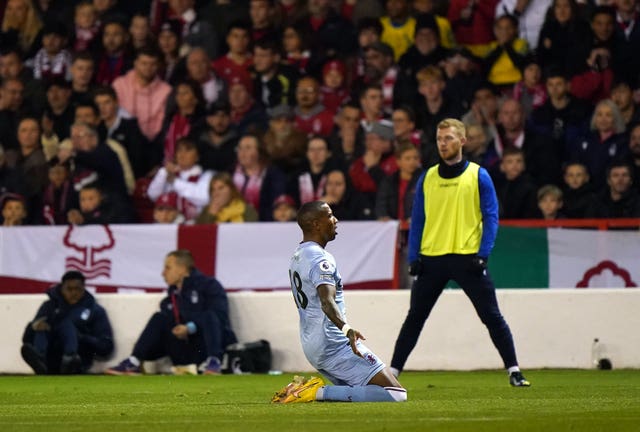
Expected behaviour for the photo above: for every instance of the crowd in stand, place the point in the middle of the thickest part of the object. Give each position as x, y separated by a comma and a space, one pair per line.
193, 111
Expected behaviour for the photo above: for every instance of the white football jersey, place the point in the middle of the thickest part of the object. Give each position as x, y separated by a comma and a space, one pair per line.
310, 267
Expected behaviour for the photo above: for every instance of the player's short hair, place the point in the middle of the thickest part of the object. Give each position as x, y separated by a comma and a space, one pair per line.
455, 124
550, 190
308, 213
183, 257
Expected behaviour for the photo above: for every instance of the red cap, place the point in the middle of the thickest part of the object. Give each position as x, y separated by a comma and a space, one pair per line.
336, 65
284, 199
169, 199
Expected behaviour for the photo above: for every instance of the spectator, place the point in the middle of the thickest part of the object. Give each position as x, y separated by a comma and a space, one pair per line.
425, 51
196, 32
217, 140
506, 58
169, 45
381, 70
347, 138
284, 143
14, 210
530, 92
263, 19
259, 182
530, 13
475, 149
143, 94
369, 31
307, 184
562, 119
563, 29
85, 26
333, 92
622, 96
238, 60
59, 196
12, 67
11, 180
311, 117
331, 34
463, 75
188, 116
346, 202
142, 155
199, 69
422, 8
371, 102
484, 109
69, 330
140, 31
82, 68
619, 199
53, 60
550, 202
115, 59
396, 192
32, 162
12, 108
516, 193
604, 143
472, 21
226, 204
246, 114
274, 83
284, 209
192, 325
626, 40
59, 113
398, 27
21, 16
634, 153
295, 45
378, 161
433, 107
540, 157
578, 192
184, 176
166, 211
97, 208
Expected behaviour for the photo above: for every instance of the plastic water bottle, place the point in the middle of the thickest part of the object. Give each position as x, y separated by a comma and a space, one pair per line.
599, 357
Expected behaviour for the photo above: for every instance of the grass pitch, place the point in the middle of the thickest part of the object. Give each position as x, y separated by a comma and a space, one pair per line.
559, 400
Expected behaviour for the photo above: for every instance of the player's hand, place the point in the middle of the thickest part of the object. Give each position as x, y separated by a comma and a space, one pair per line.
180, 331
415, 268
353, 336
477, 265
40, 324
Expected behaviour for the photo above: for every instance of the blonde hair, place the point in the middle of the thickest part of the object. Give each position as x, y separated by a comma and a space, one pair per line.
618, 121
552, 190
429, 73
28, 29
455, 124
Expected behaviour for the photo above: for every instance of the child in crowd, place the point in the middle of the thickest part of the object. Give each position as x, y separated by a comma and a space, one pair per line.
284, 209
550, 202
52, 60
166, 209
95, 208
578, 192
333, 92
517, 193
296, 51
14, 210
86, 26
59, 196
531, 92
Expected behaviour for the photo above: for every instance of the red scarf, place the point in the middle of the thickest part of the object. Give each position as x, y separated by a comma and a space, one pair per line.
249, 186
178, 128
307, 191
109, 70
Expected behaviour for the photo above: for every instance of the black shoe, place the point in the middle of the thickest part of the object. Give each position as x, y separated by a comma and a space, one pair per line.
34, 359
516, 379
70, 364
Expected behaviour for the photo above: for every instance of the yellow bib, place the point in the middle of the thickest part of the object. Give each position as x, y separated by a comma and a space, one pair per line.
453, 221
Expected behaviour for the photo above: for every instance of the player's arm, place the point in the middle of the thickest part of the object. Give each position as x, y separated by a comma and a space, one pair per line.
327, 295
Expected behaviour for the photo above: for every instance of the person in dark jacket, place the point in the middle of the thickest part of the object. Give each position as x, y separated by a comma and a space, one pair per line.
395, 194
618, 199
192, 326
69, 330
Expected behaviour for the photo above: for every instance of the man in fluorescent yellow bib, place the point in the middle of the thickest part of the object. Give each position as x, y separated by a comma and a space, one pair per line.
454, 223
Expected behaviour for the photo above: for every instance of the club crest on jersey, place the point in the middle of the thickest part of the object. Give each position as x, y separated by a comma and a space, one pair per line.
370, 358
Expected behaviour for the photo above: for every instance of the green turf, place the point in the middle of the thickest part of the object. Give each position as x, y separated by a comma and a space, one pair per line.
564, 400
